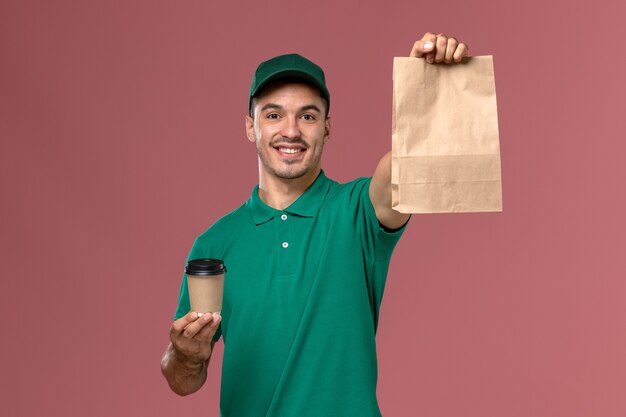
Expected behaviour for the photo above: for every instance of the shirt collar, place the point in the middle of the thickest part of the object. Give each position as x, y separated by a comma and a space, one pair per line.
307, 205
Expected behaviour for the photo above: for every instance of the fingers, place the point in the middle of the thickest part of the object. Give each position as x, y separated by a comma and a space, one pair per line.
208, 331
179, 325
461, 51
451, 45
439, 49
193, 328
191, 324
191, 336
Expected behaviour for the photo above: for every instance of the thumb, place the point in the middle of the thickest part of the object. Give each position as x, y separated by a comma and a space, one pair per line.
421, 47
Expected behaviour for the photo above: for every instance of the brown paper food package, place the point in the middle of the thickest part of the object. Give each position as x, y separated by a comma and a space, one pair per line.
445, 143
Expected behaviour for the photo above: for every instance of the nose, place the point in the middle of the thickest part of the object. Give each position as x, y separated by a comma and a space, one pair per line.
290, 128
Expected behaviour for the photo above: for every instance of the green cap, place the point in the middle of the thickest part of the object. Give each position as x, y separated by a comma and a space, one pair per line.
291, 66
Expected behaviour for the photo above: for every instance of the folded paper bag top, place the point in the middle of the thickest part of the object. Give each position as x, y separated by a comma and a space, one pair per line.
445, 142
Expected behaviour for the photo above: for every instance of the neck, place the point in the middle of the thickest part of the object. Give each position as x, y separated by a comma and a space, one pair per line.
280, 193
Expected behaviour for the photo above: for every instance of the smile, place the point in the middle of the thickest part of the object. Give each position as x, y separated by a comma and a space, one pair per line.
289, 150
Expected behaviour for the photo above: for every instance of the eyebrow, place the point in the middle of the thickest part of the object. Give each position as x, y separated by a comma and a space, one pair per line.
311, 107
274, 106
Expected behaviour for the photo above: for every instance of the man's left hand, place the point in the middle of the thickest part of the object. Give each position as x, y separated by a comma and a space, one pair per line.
439, 48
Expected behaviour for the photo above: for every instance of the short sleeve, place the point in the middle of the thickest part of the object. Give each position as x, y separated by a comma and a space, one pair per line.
378, 242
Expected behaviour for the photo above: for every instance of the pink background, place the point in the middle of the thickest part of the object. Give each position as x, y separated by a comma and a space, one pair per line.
114, 115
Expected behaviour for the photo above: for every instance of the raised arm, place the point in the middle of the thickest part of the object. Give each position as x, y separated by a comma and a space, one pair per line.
435, 49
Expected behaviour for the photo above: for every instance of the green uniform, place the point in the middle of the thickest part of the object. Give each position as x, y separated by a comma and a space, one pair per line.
301, 302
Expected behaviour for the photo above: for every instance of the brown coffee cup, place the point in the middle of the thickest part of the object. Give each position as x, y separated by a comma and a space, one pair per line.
205, 280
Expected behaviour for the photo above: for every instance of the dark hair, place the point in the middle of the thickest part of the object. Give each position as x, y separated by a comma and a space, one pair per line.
283, 81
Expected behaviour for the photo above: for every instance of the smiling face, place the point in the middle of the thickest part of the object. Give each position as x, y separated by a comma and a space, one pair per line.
290, 127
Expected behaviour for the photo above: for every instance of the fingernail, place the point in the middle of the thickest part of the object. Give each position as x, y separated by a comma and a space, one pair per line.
428, 45
216, 316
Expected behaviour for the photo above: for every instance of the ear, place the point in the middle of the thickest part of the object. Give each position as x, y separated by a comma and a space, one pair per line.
327, 130
250, 128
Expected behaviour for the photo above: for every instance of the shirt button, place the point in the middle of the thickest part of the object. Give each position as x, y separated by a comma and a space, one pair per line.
285, 244
284, 217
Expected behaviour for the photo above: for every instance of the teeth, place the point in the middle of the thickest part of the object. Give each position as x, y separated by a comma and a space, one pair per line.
289, 150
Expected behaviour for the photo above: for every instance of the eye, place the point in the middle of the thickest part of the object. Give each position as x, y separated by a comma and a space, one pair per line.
272, 116
308, 117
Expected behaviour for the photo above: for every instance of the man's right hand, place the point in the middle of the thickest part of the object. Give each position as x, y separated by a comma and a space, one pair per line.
191, 336
186, 359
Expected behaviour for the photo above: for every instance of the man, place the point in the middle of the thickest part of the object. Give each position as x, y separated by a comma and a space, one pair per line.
307, 261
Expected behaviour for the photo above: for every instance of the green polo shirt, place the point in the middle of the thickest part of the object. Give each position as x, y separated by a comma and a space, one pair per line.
301, 302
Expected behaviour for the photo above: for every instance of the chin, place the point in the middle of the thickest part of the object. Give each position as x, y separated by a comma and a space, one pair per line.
290, 172
291, 175
286, 170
